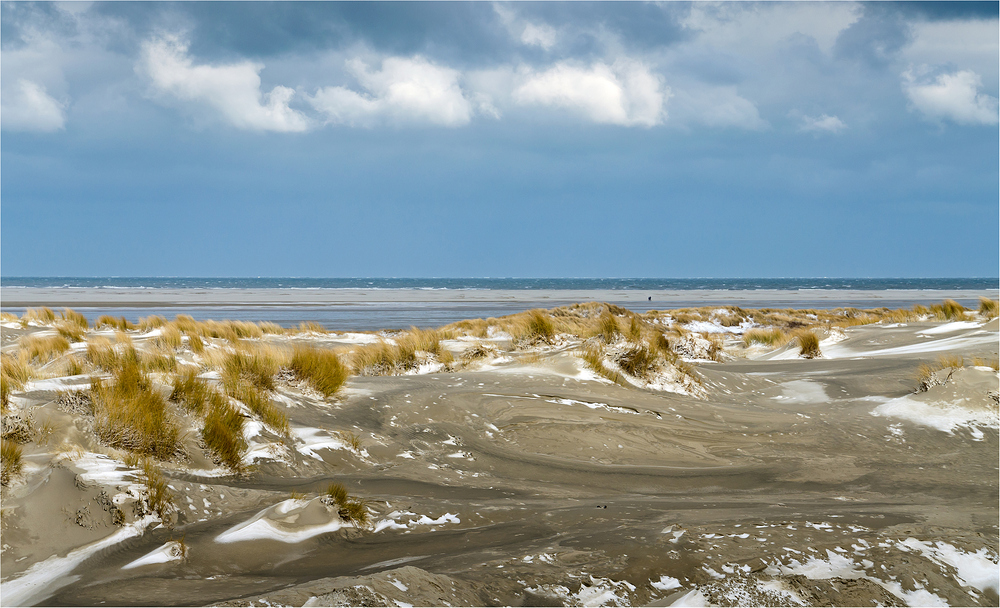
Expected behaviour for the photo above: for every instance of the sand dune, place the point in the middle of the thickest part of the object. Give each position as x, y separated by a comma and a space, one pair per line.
522, 477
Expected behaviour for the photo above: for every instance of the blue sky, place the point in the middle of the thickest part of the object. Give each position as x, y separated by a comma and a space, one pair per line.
499, 139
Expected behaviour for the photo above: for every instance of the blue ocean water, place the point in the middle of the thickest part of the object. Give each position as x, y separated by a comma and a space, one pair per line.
502, 283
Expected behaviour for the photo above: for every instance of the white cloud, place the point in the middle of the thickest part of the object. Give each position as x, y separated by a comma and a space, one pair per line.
825, 122
716, 106
405, 90
625, 93
28, 107
954, 97
532, 34
539, 35
233, 90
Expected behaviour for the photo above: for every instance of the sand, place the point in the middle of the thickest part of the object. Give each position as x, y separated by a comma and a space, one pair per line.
528, 480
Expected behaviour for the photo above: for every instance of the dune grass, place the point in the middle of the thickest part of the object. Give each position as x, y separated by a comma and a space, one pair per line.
15, 372
384, 359
306, 327
223, 432
808, 344
151, 322
191, 391
593, 357
41, 316
355, 511
531, 328
337, 493
42, 349
119, 323
76, 318
11, 460
948, 310
770, 337
989, 308
321, 368
196, 343
169, 338
926, 371
638, 361
130, 414
993, 363
268, 327
71, 331
158, 497
248, 376
608, 329
478, 328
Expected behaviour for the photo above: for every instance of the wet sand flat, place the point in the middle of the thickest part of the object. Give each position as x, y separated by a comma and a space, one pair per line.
522, 477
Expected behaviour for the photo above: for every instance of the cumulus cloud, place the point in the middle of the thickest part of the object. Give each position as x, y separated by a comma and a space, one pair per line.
625, 93
27, 106
233, 90
824, 122
405, 90
954, 97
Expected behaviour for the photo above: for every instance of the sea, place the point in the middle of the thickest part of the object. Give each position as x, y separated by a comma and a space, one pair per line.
388, 314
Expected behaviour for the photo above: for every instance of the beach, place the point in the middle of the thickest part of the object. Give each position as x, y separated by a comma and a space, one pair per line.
499, 465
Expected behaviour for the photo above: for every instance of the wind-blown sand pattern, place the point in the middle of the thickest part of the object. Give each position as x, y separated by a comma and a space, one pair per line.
582, 456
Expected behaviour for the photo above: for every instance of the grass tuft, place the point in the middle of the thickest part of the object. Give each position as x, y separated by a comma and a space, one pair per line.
196, 343
355, 511
808, 344
223, 432
169, 338
158, 496
948, 310
770, 337
76, 318
383, 358
337, 493
10, 460
993, 363
248, 376
130, 414
532, 327
607, 328
119, 323
151, 322
593, 357
321, 368
989, 308
14, 374
637, 361
44, 348
191, 391
41, 316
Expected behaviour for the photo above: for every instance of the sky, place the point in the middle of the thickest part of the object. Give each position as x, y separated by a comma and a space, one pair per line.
486, 139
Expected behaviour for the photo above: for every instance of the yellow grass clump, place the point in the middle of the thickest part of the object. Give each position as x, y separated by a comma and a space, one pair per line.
608, 329
223, 432
383, 358
948, 310
593, 357
191, 391
321, 368
41, 316
10, 460
76, 318
130, 414
170, 337
808, 344
15, 371
71, 331
637, 360
992, 363
989, 308
158, 497
196, 343
268, 327
119, 323
44, 348
771, 337
531, 328
248, 376
151, 322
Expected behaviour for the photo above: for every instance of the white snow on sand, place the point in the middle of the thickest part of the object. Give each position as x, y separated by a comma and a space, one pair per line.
43, 579
169, 552
261, 527
942, 416
977, 569
947, 328
308, 440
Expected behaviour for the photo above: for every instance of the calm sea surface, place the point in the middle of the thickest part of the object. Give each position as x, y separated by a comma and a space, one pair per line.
858, 292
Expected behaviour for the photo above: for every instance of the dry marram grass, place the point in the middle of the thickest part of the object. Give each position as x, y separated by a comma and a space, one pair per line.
10, 460
321, 368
